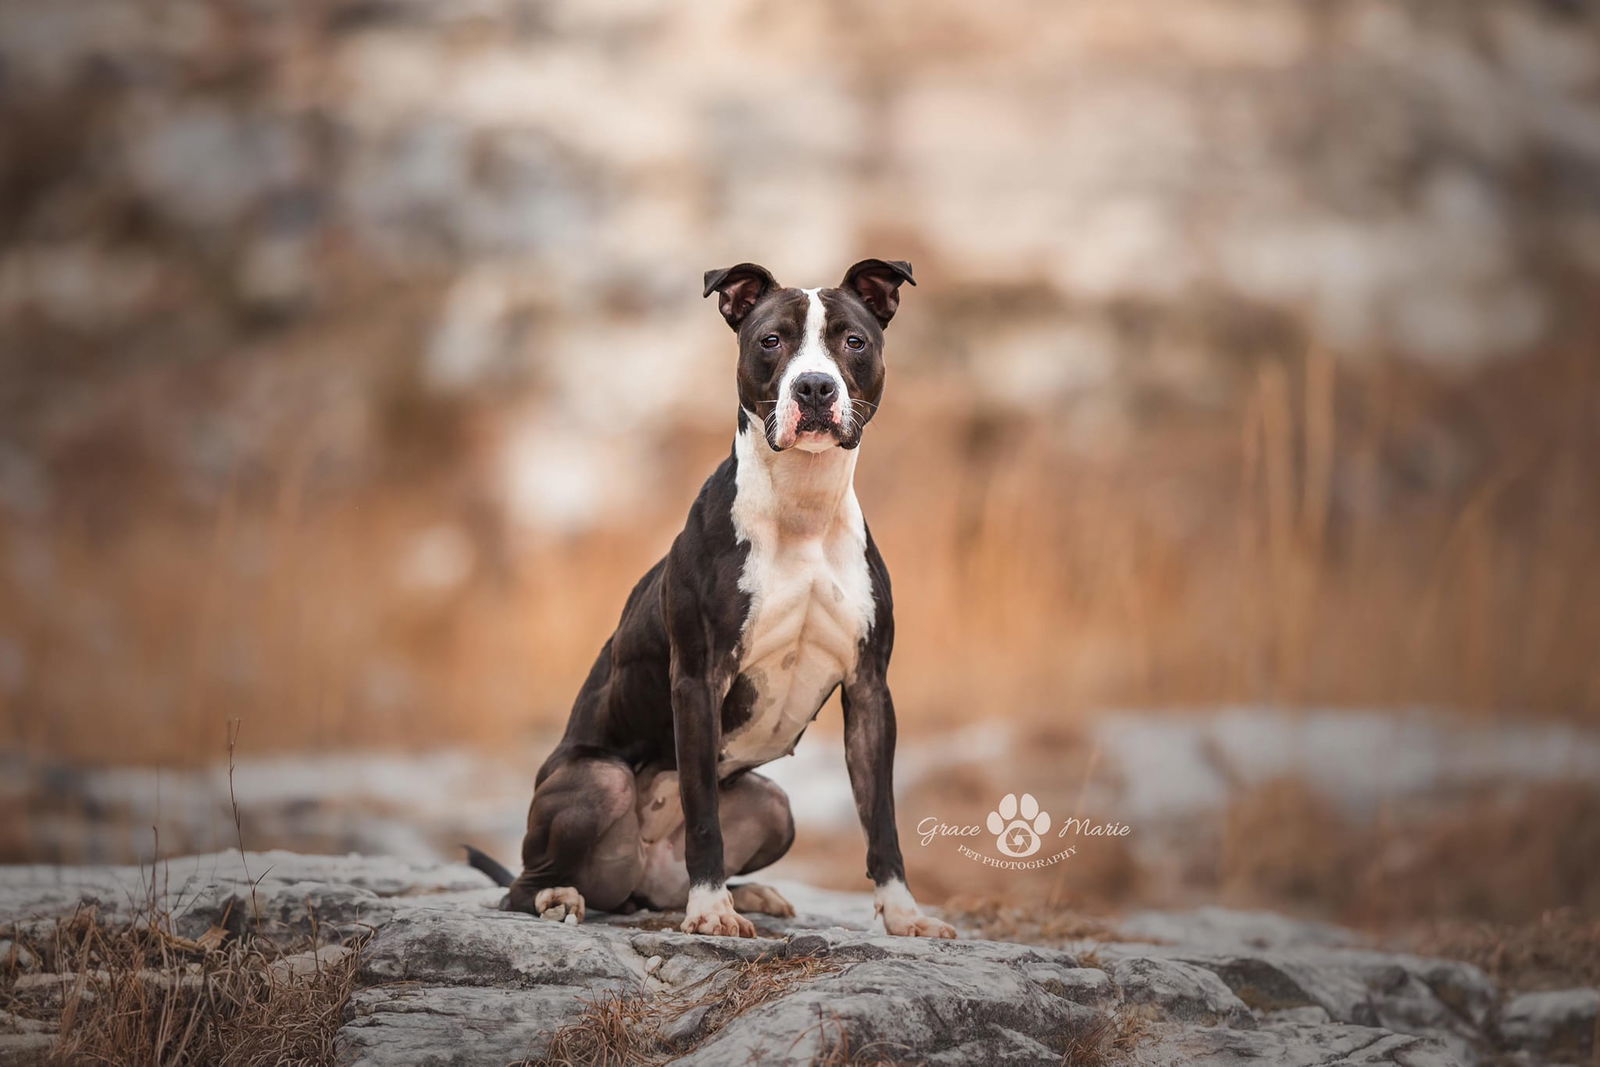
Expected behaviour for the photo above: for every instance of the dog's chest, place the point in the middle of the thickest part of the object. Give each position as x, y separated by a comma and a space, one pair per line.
810, 606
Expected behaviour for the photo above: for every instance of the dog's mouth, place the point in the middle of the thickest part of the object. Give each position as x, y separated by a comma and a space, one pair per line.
818, 433
816, 424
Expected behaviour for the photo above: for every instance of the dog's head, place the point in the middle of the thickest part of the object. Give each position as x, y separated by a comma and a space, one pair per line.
810, 360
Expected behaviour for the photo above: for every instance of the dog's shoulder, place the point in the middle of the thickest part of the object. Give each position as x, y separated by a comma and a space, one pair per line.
702, 569
710, 527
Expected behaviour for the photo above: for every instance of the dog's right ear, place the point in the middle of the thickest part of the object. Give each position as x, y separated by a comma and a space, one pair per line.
738, 288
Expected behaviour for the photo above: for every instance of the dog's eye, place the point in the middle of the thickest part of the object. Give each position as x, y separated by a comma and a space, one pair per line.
854, 343
770, 341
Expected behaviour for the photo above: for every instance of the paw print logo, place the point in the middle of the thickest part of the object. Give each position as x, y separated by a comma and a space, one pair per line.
1018, 826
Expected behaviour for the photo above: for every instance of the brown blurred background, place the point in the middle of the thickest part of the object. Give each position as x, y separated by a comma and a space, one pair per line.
353, 366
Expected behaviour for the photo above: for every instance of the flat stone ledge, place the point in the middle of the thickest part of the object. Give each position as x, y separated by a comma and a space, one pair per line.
447, 977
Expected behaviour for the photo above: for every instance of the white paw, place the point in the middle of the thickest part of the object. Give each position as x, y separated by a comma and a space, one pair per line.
918, 925
560, 903
901, 917
711, 911
761, 899
1018, 826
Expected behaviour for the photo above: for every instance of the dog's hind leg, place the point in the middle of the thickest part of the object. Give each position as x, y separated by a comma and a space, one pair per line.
757, 829
752, 898
582, 846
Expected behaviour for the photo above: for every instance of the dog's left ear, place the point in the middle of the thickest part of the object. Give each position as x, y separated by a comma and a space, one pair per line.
877, 282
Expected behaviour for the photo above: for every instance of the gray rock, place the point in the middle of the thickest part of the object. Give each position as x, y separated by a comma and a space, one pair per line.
1226, 929
287, 888
455, 947
852, 944
449, 978
1559, 1024
448, 1025
304, 965
13, 957
1084, 985
1439, 999
12, 1023
1295, 1045
950, 1007
1181, 991
686, 1029
24, 1048
997, 1046
1310, 1014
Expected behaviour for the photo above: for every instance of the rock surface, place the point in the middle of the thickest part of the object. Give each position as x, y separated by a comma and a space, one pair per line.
448, 978
1559, 1024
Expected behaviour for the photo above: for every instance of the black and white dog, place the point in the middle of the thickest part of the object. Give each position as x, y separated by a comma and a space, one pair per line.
772, 597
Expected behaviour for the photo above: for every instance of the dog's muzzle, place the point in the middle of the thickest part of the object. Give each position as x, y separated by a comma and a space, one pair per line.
817, 401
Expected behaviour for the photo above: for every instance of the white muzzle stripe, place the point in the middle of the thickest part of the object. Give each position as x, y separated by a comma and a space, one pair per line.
812, 357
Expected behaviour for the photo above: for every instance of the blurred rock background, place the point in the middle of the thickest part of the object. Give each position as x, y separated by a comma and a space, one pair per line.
353, 363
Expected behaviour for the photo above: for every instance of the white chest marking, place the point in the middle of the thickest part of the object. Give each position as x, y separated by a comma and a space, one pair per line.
810, 592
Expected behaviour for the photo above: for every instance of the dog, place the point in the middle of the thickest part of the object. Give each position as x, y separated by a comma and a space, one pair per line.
771, 598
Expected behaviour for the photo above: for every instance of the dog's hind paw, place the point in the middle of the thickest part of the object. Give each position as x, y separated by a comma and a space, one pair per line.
761, 899
560, 903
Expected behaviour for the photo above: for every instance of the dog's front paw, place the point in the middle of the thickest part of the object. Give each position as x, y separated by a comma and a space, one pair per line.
918, 925
901, 916
560, 903
711, 911
761, 899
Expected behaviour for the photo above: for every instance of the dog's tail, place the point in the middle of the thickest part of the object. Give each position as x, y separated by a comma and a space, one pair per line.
490, 866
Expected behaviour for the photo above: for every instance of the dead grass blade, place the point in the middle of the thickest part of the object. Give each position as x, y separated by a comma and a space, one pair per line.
631, 1030
137, 992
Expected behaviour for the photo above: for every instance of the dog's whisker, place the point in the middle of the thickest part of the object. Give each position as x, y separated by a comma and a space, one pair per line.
858, 415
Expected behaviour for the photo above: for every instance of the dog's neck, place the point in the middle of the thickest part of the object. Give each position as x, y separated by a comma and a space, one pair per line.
793, 493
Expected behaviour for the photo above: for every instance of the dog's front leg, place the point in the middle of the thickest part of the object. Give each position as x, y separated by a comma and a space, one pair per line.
699, 672
869, 735
697, 739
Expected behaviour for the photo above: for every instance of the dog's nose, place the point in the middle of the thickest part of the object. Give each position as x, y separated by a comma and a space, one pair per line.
815, 389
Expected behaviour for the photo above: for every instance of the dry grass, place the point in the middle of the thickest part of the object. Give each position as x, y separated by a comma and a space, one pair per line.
613, 1029
1558, 950
839, 1049
1285, 843
137, 993
1107, 1043
999, 919
1496, 856
632, 1030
